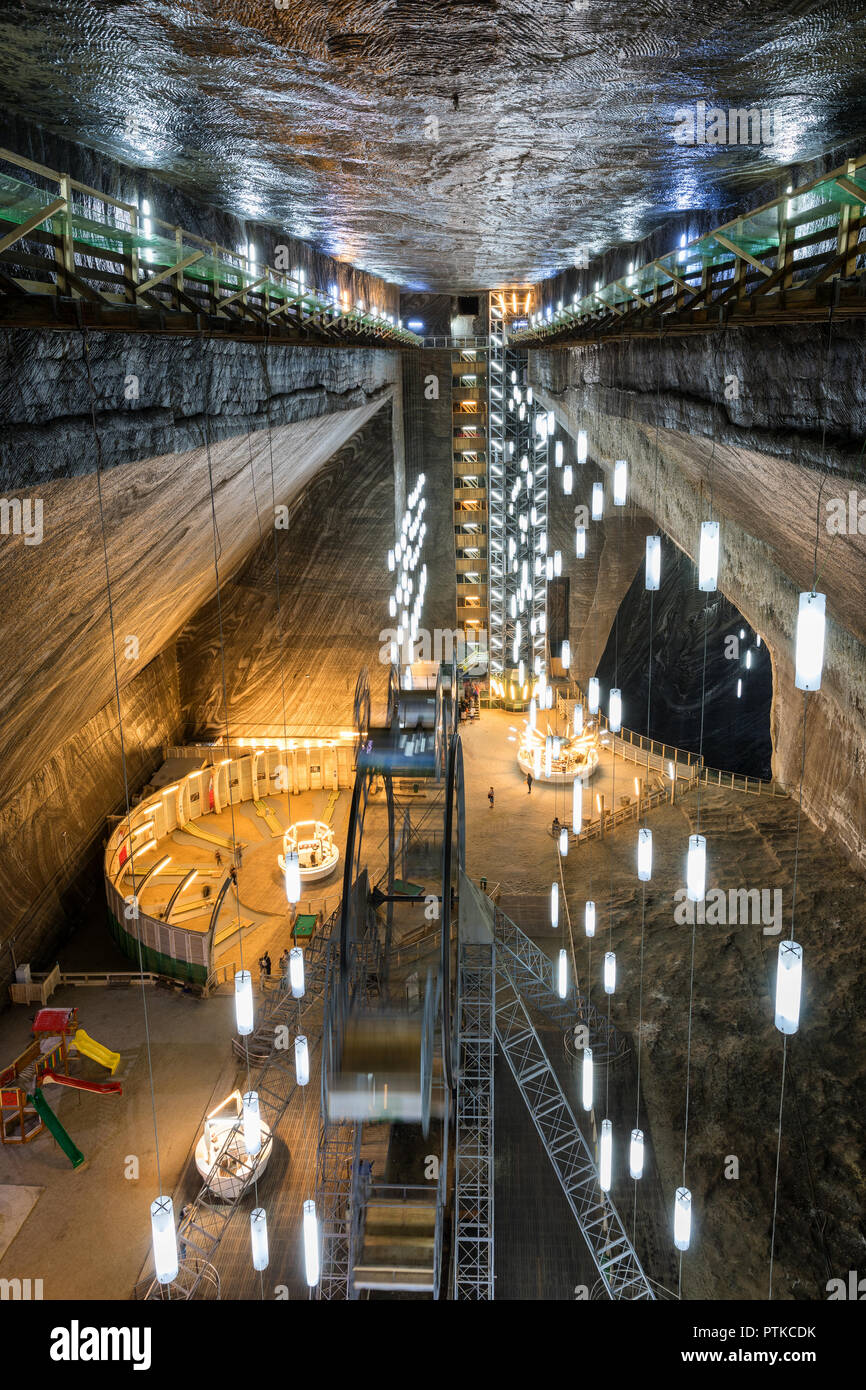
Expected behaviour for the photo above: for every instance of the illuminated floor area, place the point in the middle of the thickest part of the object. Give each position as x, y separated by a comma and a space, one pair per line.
735, 1058
265, 923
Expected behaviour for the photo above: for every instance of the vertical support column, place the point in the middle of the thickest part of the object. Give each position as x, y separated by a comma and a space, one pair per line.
178, 278
64, 253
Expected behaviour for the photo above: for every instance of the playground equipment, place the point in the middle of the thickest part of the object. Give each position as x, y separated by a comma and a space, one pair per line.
24, 1111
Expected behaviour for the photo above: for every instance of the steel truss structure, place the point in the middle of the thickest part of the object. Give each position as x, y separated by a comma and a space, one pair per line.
473, 1173
597, 1218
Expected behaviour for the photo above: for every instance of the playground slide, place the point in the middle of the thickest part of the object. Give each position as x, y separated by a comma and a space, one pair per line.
53, 1125
102, 1088
88, 1047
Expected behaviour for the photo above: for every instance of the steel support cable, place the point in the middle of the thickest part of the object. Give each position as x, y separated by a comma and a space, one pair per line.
85, 346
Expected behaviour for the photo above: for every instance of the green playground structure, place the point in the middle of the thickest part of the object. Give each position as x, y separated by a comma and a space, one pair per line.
53, 1125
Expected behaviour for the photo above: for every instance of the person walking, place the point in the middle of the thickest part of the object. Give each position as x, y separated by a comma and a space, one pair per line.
529, 784
267, 964
219, 859
240, 854
490, 798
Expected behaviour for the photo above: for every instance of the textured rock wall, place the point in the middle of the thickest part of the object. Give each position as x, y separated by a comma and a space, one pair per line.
159, 396
768, 504
51, 822
292, 658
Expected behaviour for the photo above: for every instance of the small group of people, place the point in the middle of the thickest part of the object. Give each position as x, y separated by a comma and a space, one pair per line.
265, 966
470, 701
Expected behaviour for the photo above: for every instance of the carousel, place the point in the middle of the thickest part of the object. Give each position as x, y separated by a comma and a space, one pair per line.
552, 758
312, 841
221, 1154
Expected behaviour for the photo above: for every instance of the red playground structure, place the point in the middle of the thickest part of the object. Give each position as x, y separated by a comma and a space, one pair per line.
24, 1111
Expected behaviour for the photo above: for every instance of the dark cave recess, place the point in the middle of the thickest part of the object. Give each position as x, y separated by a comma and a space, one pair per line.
736, 731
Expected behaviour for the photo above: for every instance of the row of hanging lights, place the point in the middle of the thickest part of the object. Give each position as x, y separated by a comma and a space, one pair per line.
809, 656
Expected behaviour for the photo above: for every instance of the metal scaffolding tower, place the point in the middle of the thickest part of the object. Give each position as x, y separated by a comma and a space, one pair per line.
473, 1182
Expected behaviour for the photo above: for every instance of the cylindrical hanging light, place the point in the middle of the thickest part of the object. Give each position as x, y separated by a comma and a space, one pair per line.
563, 842
311, 1244
164, 1238
682, 1218
597, 501
551, 422
532, 712
708, 558
252, 1123
635, 1154
620, 482
789, 983
581, 446
696, 869
562, 974
811, 627
565, 655
390, 560
558, 453
605, 1166
259, 1237
609, 972
589, 918
296, 972
586, 1079
614, 711
302, 1060
392, 607
653, 561
580, 542
293, 876
644, 854
557, 563
567, 480
592, 695
244, 1002
554, 905
576, 806
578, 719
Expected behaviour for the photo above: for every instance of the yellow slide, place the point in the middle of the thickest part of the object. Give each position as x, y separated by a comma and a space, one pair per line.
89, 1048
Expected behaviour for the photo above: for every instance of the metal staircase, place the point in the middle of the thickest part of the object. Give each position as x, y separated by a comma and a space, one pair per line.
573, 1162
534, 974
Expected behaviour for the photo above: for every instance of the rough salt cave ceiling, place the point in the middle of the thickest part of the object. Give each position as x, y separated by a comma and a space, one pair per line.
555, 117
